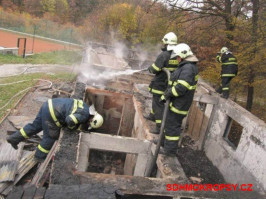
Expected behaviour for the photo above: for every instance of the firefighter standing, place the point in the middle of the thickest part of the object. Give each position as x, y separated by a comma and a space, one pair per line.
159, 83
180, 91
54, 114
229, 70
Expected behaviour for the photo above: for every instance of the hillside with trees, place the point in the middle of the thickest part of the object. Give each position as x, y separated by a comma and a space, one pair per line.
205, 25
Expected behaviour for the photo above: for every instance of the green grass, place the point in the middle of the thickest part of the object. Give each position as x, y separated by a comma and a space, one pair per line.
55, 57
8, 91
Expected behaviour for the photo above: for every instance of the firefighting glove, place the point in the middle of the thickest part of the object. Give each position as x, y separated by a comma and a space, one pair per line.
150, 70
167, 95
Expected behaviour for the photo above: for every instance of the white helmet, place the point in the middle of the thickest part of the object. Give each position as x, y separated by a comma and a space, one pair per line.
182, 50
223, 50
97, 121
170, 38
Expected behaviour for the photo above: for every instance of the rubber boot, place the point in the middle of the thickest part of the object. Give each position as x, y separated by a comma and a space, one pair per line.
219, 90
155, 141
167, 153
156, 131
149, 117
39, 160
15, 139
225, 94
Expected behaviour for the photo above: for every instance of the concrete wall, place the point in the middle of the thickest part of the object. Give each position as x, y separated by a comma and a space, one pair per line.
10, 51
247, 163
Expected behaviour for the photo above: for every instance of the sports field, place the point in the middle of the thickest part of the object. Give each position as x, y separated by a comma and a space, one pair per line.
9, 40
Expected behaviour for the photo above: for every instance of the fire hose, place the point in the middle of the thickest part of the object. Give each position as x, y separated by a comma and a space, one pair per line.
158, 145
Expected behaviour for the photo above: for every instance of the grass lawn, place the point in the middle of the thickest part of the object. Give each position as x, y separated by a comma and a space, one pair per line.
56, 57
8, 91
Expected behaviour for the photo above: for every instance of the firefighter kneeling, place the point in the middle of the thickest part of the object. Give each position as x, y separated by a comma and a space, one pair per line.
53, 115
180, 91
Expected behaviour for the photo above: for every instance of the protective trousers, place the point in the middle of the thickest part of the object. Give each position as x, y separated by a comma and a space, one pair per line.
43, 122
172, 131
157, 107
224, 88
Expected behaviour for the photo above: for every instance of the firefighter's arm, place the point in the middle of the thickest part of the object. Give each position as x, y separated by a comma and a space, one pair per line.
75, 119
184, 82
218, 57
157, 66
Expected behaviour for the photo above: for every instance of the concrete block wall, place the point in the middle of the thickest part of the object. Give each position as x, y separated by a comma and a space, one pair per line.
247, 163
10, 51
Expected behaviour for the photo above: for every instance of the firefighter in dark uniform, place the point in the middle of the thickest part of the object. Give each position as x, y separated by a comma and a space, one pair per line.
159, 83
229, 70
53, 115
180, 91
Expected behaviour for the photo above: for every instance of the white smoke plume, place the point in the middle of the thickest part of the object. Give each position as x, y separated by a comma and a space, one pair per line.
99, 65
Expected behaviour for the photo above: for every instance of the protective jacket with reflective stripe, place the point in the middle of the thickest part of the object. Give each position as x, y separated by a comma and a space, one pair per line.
229, 64
159, 83
70, 112
182, 86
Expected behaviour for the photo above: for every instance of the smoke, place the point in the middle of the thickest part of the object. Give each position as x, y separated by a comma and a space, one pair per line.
100, 65
102, 62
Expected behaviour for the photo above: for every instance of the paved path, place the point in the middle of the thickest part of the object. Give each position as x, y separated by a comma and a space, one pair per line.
16, 69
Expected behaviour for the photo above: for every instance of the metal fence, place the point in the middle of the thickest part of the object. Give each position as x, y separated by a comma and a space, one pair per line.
42, 27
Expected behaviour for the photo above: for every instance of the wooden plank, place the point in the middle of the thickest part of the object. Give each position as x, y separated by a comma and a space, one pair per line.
197, 124
41, 170
25, 165
192, 117
9, 160
126, 122
29, 192
206, 98
16, 193
40, 192
203, 130
115, 143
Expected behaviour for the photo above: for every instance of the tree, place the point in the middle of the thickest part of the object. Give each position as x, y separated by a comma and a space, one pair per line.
48, 6
253, 55
227, 10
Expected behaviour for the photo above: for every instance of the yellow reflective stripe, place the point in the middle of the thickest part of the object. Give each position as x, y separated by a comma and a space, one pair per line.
173, 62
51, 109
79, 128
23, 133
170, 69
74, 119
174, 91
172, 108
42, 149
230, 63
76, 103
172, 138
186, 84
75, 106
196, 77
228, 75
170, 82
155, 67
162, 97
155, 91
80, 104
152, 112
225, 88
218, 58
232, 59
71, 127
158, 121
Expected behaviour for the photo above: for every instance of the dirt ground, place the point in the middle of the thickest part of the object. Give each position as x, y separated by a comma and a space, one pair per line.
196, 164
